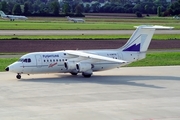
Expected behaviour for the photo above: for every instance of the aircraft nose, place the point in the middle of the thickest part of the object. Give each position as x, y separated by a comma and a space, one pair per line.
7, 69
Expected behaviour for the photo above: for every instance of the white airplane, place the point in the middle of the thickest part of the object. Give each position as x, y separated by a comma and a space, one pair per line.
86, 61
75, 20
12, 17
176, 17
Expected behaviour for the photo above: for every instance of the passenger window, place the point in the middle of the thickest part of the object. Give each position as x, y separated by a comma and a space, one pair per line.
50, 60
47, 60
54, 60
60, 60
44, 60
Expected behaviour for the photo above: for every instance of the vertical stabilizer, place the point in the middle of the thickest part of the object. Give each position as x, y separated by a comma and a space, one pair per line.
141, 38
68, 18
2, 13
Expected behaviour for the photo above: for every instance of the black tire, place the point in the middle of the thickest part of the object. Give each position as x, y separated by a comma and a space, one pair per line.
86, 75
18, 76
72, 73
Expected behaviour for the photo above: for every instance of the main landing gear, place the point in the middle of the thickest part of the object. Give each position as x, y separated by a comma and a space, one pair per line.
74, 73
18, 76
86, 75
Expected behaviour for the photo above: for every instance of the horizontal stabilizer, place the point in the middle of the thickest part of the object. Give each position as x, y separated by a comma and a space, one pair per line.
154, 27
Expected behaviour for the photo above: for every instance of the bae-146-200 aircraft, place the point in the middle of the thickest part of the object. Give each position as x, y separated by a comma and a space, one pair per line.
12, 17
86, 61
75, 20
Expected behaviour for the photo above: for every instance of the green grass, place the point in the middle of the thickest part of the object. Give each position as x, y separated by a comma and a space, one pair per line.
85, 37
63, 26
72, 26
90, 24
4, 62
152, 59
159, 59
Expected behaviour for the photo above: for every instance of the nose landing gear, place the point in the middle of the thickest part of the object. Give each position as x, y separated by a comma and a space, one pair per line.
18, 76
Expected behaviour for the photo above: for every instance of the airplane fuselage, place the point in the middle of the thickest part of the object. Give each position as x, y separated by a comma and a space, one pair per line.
54, 62
75, 20
14, 17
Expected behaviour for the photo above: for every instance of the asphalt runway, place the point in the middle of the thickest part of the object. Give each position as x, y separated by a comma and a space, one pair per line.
78, 32
134, 93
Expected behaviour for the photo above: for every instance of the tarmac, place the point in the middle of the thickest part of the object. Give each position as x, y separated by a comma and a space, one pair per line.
127, 93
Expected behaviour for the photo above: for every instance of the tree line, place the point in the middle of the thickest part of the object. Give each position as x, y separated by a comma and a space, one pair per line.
76, 7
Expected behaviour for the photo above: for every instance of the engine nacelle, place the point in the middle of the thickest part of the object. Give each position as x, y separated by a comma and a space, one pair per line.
83, 67
70, 65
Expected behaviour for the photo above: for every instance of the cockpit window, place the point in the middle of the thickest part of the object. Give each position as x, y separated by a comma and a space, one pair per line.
20, 60
29, 60
26, 60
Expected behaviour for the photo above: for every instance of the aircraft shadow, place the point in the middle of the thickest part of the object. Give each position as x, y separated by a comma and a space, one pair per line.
131, 80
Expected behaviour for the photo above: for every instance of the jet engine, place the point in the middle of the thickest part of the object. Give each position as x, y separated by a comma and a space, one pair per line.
70, 65
83, 67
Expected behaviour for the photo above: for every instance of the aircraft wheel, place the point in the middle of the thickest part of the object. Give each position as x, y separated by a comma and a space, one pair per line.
18, 76
86, 75
73, 73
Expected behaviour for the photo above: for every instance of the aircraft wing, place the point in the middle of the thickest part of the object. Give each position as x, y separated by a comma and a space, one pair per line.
85, 55
9, 16
16, 17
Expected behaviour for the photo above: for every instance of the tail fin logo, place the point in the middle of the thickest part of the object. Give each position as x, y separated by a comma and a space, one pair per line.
136, 44
134, 47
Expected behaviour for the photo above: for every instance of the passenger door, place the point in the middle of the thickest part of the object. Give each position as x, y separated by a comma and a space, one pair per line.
38, 60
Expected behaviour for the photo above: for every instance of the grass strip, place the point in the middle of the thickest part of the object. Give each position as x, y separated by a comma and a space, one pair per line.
122, 24
159, 59
152, 59
84, 37
64, 26
4, 62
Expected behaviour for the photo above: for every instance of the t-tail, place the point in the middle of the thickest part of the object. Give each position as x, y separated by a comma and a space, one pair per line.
68, 18
139, 42
2, 13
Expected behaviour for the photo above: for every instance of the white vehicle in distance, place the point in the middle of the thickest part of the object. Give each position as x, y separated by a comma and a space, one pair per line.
12, 17
75, 20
